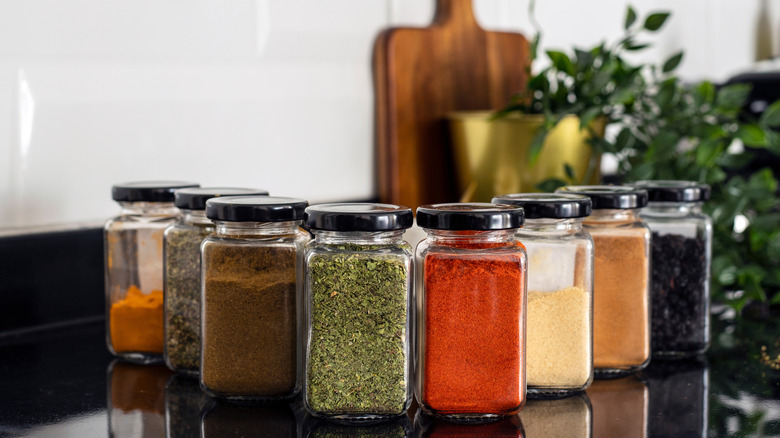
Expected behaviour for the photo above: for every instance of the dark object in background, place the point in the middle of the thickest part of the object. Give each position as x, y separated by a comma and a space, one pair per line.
765, 91
679, 392
51, 278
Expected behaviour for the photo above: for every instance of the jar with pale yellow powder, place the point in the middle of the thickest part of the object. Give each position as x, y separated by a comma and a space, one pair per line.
559, 358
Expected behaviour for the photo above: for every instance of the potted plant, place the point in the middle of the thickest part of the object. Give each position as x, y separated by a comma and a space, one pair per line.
664, 128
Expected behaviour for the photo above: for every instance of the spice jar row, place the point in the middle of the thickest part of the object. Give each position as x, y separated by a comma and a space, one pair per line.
357, 273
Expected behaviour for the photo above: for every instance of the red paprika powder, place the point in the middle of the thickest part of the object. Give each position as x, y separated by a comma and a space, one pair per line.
472, 322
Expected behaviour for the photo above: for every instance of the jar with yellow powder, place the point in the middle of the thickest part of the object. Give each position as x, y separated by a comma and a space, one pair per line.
134, 268
559, 358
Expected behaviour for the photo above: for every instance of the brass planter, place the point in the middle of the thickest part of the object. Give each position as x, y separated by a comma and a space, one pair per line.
491, 156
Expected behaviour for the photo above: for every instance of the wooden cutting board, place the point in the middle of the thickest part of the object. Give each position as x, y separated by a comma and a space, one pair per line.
421, 75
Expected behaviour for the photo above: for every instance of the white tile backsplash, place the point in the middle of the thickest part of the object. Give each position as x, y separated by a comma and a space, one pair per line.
274, 94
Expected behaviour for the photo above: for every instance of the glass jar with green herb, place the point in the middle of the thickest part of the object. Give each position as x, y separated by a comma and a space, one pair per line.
358, 306
251, 298
181, 250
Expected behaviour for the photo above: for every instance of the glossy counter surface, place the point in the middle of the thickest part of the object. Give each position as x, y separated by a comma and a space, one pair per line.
63, 383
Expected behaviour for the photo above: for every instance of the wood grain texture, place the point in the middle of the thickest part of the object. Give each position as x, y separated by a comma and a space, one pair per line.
421, 75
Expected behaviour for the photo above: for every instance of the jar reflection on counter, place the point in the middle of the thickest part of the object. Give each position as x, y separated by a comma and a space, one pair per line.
621, 291
184, 403
427, 426
226, 420
358, 305
681, 257
620, 407
134, 268
679, 397
562, 418
181, 254
136, 399
559, 360
251, 298
472, 309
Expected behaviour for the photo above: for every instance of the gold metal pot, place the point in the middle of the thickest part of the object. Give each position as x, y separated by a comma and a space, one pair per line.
491, 156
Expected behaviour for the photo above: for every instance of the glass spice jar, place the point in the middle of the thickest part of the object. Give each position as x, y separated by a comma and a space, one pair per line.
621, 291
559, 359
251, 267
358, 306
134, 268
181, 255
681, 254
471, 302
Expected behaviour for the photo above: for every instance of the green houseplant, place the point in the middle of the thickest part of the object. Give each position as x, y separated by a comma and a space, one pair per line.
666, 129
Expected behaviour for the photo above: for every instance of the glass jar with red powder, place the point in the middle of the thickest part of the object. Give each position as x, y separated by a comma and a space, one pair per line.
471, 299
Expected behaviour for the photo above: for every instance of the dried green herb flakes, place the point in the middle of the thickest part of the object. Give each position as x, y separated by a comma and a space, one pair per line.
358, 352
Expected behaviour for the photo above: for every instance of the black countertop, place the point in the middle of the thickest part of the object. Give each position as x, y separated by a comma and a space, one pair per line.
62, 382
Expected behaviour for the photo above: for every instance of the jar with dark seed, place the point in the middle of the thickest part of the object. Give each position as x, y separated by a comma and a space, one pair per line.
681, 254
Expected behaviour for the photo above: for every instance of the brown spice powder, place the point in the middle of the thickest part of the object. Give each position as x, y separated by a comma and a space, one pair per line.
621, 312
249, 320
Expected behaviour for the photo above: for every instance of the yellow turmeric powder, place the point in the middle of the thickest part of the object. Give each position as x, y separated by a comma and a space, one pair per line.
136, 322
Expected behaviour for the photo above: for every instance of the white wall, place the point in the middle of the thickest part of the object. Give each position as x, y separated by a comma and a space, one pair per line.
275, 94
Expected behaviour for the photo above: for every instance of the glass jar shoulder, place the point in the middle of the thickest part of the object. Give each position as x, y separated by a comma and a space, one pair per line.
512, 251
297, 240
182, 229
617, 228
135, 222
578, 238
315, 250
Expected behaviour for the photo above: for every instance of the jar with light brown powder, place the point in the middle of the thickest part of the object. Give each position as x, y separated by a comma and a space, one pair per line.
251, 265
621, 294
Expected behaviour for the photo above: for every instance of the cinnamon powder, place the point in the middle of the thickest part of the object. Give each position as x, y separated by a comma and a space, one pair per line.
621, 328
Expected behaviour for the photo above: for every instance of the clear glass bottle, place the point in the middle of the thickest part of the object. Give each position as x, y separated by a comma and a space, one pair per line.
681, 255
252, 284
134, 268
181, 253
358, 307
559, 359
471, 304
621, 290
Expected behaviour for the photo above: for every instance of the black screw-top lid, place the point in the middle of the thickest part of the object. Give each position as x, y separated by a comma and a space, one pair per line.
255, 209
674, 191
610, 197
469, 216
195, 199
548, 205
358, 217
148, 191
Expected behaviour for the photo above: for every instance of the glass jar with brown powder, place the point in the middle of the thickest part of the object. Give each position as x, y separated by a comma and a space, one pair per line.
621, 292
251, 298
134, 268
560, 292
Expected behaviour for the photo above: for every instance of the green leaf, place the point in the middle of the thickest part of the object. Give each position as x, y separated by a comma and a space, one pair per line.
535, 46
625, 140
633, 47
536, 145
735, 161
630, 17
771, 115
704, 93
733, 96
642, 172
584, 59
622, 96
569, 171
672, 63
655, 21
773, 141
549, 185
707, 152
751, 135
561, 61
588, 116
